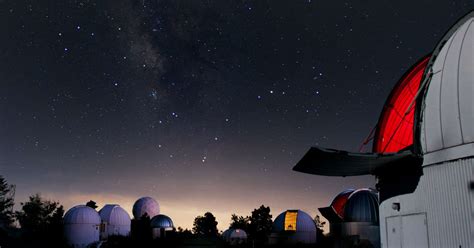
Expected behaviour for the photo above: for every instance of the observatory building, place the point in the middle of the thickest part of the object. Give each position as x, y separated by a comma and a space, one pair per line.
234, 236
161, 225
293, 227
354, 215
145, 206
423, 150
144, 209
439, 213
115, 221
81, 226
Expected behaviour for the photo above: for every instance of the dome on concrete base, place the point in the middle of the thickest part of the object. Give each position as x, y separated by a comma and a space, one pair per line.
234, 236
116, 219
81, 226
362, 206
447, 113
162, 221
294, 226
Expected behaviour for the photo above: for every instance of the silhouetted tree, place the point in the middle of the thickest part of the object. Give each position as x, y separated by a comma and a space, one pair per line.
40, 218
205, 225
92, 204
6, 203
260, 224
184, 233
239, 222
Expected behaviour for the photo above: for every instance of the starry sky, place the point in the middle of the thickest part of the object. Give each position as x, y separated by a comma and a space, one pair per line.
204, 105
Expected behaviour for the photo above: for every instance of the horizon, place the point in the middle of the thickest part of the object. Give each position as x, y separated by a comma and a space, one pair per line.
204, 106
181, 216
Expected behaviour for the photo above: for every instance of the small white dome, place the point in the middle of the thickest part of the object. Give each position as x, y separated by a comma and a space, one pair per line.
162, 221
234, 236
447, 113
145, 205
237, 234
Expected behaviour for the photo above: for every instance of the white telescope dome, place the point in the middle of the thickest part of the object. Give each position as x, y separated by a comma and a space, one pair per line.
81, 226
116, 219
447, 114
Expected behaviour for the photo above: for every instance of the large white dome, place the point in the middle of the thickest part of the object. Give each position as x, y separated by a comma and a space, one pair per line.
81, 214
447, 121
81, 226
146, 205
117, 220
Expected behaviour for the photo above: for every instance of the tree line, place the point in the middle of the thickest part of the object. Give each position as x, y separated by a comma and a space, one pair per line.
40, 221
257, 226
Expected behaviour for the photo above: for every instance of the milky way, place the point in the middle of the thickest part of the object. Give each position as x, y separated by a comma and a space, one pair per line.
204, 105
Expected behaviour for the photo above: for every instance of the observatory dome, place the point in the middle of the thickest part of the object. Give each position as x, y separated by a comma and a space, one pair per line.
340, 201
161, 221
293, 227
362, 206
117, 220
447, 113
160, 225
115, 215
81, 214
81, 226
294, 220
396, 123
234, 236
145, 205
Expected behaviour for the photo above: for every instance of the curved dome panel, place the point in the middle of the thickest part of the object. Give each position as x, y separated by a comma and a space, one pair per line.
447, 113
238, 234
294, 220
234, 234
113, 214
81, 226
395, 127
161, 221
362, 206
340, 201
81, 214
145, 205
225, 234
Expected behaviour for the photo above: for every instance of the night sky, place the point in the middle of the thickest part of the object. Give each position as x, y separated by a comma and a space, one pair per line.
204, 105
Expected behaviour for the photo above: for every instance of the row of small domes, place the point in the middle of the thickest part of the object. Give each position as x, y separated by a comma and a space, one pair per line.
116, 215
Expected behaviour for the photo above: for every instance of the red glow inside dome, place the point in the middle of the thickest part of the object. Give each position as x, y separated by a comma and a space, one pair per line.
395, 127
340, 201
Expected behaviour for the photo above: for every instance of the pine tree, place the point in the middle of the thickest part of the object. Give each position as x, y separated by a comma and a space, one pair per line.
7, 192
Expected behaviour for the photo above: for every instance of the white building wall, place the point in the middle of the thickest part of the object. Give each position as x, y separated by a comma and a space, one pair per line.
118, 230
364, 230
81, 235
444, 196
